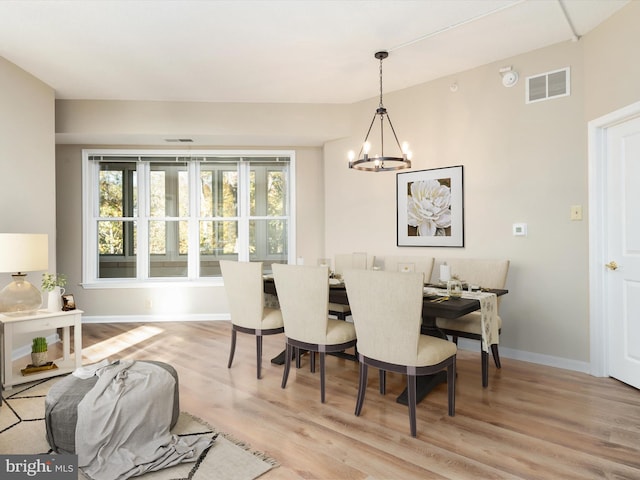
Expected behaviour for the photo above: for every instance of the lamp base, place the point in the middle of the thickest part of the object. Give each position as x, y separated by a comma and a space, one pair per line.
20, 297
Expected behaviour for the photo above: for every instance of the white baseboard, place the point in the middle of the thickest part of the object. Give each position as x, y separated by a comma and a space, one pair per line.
171, 317
540, 359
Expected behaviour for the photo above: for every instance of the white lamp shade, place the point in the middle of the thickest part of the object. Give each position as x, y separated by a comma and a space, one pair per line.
24, 252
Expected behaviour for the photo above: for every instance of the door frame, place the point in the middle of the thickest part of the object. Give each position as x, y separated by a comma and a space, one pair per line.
598, 295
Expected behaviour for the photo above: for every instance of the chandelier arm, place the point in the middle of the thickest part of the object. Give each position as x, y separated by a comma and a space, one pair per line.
394, 133
367, 135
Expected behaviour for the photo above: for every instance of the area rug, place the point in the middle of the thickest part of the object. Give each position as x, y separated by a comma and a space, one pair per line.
22, 431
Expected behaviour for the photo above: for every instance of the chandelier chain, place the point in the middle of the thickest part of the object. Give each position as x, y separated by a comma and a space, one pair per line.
381, 83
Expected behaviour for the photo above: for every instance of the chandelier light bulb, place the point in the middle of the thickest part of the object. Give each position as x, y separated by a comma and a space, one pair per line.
351, 155
366, 147
405, 148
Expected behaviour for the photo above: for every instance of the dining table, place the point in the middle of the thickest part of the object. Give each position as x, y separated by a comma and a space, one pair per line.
436, 303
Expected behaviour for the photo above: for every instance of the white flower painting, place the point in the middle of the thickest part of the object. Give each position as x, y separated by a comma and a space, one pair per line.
430, 208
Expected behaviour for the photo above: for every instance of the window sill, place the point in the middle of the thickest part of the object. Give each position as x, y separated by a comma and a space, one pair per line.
153, 283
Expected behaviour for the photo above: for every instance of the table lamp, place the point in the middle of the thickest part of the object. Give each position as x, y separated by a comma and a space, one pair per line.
22, 252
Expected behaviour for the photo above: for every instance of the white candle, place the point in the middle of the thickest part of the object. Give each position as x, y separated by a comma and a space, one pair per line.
445, 273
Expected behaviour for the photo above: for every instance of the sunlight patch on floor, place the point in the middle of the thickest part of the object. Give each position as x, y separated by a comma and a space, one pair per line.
121, 342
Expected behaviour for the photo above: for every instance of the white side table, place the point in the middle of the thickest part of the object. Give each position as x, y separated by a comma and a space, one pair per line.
36, 322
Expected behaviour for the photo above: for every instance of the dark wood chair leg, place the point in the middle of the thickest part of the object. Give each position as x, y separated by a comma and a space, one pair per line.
485, 369
411, 391
312, 361
259, 354
298, 355
496, 355
233, 347
322, 355
362, 387
383, 381
451, 388
287, 365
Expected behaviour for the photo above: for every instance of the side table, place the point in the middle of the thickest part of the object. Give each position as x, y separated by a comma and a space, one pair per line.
41, 320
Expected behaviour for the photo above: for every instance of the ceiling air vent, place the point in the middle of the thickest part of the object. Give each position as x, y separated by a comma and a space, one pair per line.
548, 85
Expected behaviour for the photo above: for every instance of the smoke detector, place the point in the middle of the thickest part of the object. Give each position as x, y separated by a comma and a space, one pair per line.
509, 76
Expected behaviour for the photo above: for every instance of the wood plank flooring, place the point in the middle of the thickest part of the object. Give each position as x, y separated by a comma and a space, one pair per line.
532, 421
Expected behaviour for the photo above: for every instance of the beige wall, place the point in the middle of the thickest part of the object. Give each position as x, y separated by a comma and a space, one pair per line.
522, 163
27, 167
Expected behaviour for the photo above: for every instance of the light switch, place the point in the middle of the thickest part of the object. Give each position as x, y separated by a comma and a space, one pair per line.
519, 229
576, 212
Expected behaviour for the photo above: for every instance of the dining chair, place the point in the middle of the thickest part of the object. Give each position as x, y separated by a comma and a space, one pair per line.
387, 313
407, 263
243, 283
343, 262
486, 274
303, 292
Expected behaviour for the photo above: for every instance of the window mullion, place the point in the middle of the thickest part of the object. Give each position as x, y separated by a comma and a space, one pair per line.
244, 181
193, 256
143, 220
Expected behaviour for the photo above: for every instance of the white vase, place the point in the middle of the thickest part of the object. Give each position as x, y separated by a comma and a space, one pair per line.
54, 300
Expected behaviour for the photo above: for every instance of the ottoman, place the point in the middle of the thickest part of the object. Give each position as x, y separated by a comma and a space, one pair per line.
61, 408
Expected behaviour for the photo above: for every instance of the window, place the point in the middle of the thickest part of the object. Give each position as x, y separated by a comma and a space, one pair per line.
173, 215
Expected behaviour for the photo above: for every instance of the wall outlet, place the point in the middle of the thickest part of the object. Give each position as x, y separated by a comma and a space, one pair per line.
148, 304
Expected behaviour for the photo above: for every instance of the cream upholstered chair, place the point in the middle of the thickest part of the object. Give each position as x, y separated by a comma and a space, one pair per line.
405, 263
303, 292
387, 313
486, 274
343, 262
244, 286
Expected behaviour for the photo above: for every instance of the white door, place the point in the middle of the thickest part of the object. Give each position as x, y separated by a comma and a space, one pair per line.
622, 240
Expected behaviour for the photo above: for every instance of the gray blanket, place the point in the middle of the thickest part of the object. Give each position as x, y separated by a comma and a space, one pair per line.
123, 427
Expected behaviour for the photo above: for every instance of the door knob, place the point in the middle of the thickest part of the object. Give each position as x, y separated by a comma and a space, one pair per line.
611, 265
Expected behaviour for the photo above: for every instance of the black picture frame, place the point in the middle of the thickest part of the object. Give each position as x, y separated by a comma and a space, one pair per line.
430, 208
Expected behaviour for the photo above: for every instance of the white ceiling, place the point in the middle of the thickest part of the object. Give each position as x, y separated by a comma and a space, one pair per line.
302, 51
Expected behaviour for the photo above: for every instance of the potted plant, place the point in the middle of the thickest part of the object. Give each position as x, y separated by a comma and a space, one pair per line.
54, 283
39, 355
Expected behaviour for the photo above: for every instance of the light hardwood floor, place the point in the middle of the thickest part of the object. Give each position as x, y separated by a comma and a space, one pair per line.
531, 422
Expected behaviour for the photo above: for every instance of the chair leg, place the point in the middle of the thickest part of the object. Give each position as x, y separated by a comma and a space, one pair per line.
451, 387
298, 355
322, 354
411, 400
362, 387
259, 354
496, 355
287, 365
312, 361
454, 339
383, 381
233, 347
485, 369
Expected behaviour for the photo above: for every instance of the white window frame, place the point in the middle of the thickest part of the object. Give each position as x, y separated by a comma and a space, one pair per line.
90, 210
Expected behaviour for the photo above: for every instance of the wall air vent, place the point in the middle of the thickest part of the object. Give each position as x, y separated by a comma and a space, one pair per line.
178, 140
548, 85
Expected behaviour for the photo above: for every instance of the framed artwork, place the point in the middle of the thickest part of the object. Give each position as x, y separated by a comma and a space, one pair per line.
430, 208
68, 303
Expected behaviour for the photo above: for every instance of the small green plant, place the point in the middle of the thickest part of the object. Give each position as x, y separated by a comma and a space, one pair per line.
53, 280
39, 345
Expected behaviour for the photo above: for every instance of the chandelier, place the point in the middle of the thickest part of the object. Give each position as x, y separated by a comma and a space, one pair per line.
379, 162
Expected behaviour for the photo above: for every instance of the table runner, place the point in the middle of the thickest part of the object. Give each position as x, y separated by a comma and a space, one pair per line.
488, 314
